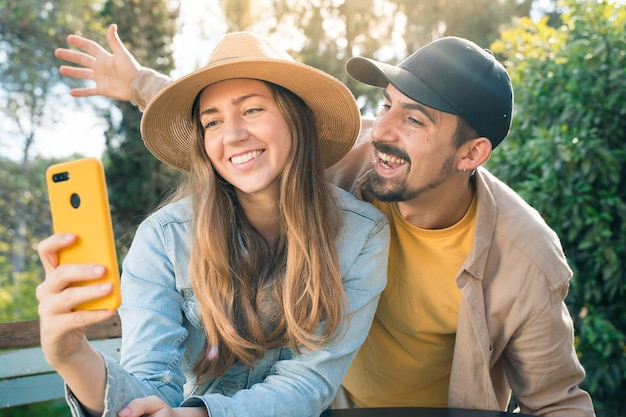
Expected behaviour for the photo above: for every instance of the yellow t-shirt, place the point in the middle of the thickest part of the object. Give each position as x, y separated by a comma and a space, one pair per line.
407, 357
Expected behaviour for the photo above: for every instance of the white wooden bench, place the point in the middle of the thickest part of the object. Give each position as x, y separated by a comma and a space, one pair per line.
25, 376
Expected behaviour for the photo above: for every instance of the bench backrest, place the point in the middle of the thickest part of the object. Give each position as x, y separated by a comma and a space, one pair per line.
25, 376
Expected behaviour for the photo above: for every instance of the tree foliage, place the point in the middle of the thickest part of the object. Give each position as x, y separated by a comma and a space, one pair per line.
566, 156
31, 29
478, 20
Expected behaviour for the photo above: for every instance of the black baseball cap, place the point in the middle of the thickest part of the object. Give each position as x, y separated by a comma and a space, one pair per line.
453, 75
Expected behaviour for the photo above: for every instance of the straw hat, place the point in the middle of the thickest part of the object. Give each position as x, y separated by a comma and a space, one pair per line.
166, 125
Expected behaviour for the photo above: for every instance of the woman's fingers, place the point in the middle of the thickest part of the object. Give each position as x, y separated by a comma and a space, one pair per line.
146, 406
66, 286
48, 249
69, 286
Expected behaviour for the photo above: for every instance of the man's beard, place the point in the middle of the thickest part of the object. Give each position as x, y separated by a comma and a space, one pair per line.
390, 190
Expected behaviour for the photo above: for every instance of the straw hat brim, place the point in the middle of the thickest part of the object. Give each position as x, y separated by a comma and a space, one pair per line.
166, 125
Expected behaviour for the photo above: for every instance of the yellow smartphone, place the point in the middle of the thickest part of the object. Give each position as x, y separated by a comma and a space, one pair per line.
79, 204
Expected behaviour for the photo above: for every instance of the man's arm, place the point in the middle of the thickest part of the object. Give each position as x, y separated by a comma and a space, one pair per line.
347, 172
542, 367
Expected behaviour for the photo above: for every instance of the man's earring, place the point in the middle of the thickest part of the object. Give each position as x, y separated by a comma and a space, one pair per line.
464, 171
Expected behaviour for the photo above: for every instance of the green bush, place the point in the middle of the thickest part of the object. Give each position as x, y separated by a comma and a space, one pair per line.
566, 155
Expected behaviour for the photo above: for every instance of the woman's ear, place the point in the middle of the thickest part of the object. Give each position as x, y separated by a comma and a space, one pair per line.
474, 153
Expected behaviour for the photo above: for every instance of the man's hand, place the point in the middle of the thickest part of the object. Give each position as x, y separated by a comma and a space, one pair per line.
112, 73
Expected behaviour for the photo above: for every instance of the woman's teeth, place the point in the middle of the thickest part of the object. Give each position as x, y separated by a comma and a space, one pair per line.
240, 159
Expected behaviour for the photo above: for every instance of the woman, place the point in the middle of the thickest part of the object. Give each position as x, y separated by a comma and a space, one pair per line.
250, 292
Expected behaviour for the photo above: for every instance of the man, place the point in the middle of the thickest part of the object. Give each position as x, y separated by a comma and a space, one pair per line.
474, 306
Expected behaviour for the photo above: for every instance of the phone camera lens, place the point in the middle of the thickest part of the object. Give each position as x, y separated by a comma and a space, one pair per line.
63, 176
75, 200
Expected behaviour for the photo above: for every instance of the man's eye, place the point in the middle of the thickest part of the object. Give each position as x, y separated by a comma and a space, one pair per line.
415, 121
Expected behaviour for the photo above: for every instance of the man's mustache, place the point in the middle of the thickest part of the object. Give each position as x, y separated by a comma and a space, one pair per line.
391, 150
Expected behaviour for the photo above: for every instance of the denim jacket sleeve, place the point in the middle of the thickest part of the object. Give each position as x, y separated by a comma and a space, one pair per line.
158, 330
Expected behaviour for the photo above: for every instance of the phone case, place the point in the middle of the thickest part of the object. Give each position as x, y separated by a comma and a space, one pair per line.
79, 204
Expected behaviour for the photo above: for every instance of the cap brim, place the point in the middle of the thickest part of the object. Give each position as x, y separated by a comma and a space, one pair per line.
380, 74
166, 125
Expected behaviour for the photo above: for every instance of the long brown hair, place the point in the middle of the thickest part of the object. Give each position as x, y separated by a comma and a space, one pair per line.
254, 294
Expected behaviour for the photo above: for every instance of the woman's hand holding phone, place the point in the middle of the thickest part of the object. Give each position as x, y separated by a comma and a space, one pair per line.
62, 325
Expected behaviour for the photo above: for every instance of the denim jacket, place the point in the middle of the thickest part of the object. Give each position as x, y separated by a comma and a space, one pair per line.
163, 336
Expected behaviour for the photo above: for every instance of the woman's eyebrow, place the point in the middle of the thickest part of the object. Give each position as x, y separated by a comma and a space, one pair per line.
245, 97
236, 101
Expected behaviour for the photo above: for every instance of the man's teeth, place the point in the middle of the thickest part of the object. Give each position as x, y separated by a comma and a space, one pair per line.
240, 159
390, 159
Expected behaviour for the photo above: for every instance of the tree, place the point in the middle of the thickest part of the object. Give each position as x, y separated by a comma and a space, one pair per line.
478, 20
565, 155
30, 31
